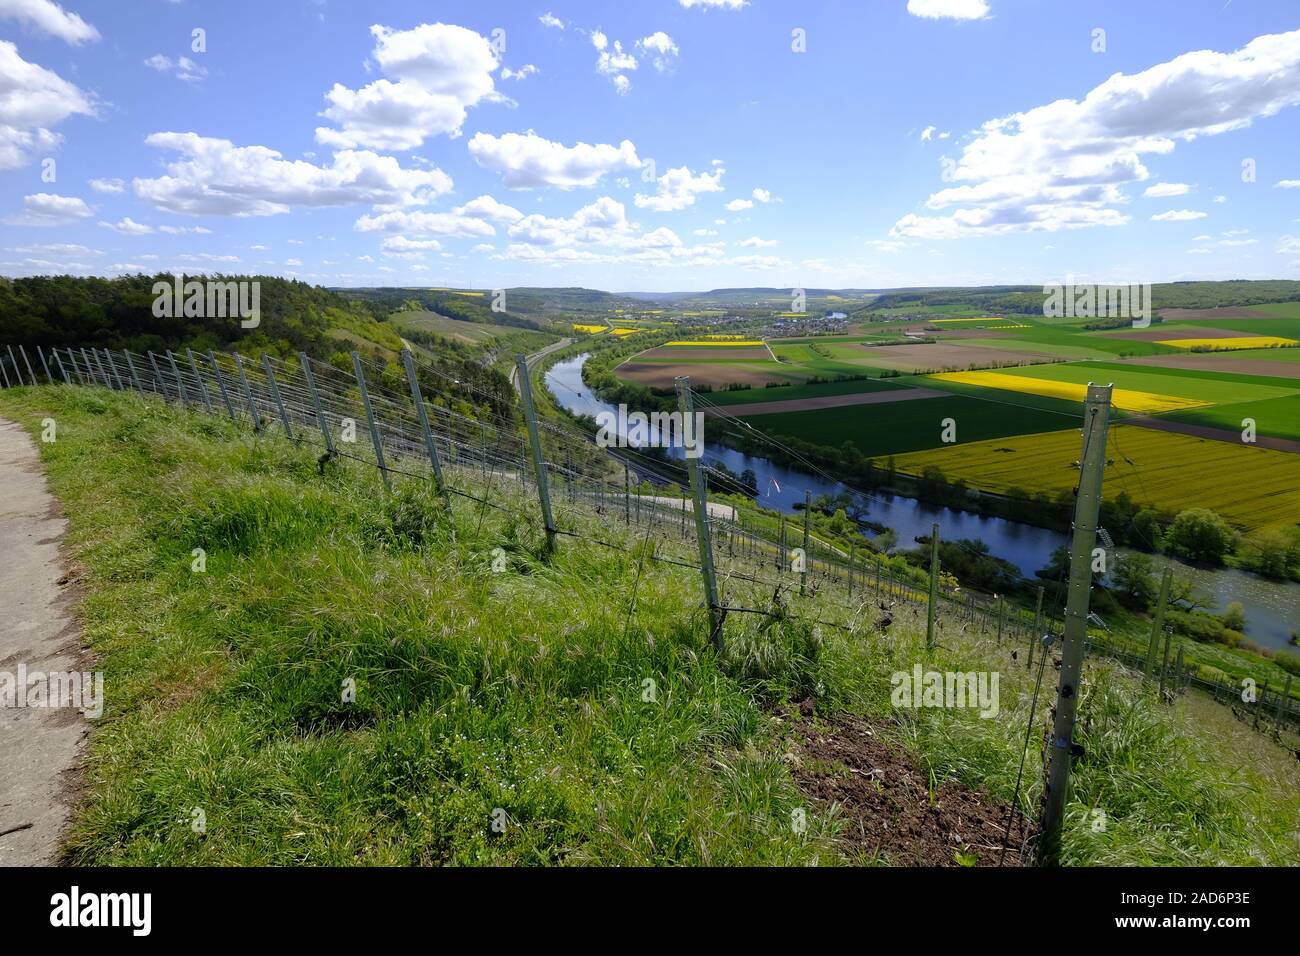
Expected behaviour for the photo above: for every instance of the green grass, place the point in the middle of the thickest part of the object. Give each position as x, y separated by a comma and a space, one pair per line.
1049, 335
898, 427
1219, 389
1285, 327
1274, 417
521, 690
1242, 378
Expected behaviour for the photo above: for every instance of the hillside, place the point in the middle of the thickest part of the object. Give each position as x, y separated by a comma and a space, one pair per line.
572, 697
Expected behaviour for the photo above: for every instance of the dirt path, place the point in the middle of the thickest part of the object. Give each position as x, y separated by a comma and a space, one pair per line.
1215, 434
39, 748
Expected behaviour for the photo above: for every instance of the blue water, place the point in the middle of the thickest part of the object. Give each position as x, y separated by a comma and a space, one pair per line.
1272, 609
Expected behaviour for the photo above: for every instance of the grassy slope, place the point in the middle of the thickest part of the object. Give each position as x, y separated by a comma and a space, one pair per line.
521, 690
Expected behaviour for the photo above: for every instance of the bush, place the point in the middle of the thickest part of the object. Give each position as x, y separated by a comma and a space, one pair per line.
1201, 535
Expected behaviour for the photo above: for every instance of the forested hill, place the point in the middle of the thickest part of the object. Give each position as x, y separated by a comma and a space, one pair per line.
1028, 300
63, 311
119, 313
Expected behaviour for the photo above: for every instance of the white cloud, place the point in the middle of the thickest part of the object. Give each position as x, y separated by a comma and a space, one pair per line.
128, 227
58, 249
108, 185
448, 224
661, 49
485, 207
484, 247
32, 99
49, 209
185, 230
1289, 245
927, 133
1165, 190
714, 4
215, 177
1178, 215
949, 9
1062, 166
1220, 199
1288, 184
763, 195
400, 247
549, 19
887, 245
522, 73
704, 232
48, 17
440, 71
736, 205
182, 67
678, 188
613, 63
754, 242
527, 160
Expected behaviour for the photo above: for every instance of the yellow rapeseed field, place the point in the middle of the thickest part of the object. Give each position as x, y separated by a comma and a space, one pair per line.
1235, 342
590, 329
1125, 399
1250, 486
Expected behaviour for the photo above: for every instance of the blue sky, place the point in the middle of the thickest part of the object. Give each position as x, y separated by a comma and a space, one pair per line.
652, 145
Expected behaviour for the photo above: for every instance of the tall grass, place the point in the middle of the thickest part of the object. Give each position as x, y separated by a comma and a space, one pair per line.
525, 696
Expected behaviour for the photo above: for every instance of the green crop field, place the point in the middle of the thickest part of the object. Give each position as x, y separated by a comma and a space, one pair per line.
899, 427
789, 393
1273, 417
1220, 388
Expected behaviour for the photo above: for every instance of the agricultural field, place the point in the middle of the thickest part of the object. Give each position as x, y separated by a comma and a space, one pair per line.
894, 428
1139, 390
1168, 470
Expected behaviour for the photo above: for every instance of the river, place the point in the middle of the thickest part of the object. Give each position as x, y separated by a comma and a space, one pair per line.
1272, 608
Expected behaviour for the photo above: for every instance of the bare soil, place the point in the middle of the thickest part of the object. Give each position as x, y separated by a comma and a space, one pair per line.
885, 798
716, 376
1221, 362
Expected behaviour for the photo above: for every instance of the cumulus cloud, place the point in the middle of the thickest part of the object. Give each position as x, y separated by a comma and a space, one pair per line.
215, 177
49, 209
754, 242
438, 71
714, 4
613, 62
1063, 165
736, 205
526, 160
1288, 184
678, 188
948, 9
32, 99
927, 133
108, 185
1178, 215
661, 49
549, 19
48, 17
